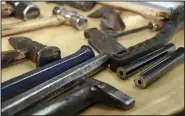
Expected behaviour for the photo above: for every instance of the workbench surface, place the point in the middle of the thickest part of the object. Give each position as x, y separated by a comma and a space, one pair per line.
165, 96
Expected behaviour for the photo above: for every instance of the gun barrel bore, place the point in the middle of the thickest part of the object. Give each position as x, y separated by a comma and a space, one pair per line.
157, 70
125, 71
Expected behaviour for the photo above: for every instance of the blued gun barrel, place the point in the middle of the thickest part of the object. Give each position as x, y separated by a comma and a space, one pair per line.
159, 69
28, 80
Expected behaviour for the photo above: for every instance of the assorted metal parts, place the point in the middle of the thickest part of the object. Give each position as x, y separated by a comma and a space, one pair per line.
55, 86
61, 16
86, 93
38, 53
157, 70
111, 20
13, 56
22, 9
103, 40
159, 40
82, 5
127, 70
22, 83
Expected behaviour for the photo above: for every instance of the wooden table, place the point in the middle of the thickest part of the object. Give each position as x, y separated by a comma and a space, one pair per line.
165, 96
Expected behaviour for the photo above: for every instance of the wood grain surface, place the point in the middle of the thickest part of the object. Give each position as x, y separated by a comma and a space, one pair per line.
165, 96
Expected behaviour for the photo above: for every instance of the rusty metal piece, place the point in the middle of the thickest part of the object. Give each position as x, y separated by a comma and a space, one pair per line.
102, 42
38, 53
157, 70
12, 56
6, 10
110, 19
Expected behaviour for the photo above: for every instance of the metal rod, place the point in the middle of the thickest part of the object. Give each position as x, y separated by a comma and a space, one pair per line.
54, 86
127, 70
157, 70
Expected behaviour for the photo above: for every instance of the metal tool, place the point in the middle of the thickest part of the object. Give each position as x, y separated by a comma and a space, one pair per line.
61, 16
175, 24
55, 86
85, 94
38, 53
154, 25
82, 5
24, 10
156, 71
111, 20
119, 56
13, 56
127, 70
6, 10
22, 83
103, 40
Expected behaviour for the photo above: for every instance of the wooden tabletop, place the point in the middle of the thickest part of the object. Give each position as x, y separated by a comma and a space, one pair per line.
165, 96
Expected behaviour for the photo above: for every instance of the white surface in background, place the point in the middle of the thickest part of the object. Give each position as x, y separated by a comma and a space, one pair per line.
164, 6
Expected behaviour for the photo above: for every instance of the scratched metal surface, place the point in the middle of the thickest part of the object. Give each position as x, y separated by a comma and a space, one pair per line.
165, 96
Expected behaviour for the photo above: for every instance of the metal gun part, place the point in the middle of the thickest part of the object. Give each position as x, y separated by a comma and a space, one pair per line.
127, 70
86, 93
55, 86
157, 70
22, 83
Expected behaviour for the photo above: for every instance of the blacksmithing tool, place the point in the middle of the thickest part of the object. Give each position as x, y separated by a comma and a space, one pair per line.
13, 56
103, 40
61, 16
22, 83
154, 25
55, 86
82, 5
157, 70
111, 20
24, 10
38, 53
6, 9
175, 24
119, 56
127, 70
85, 94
